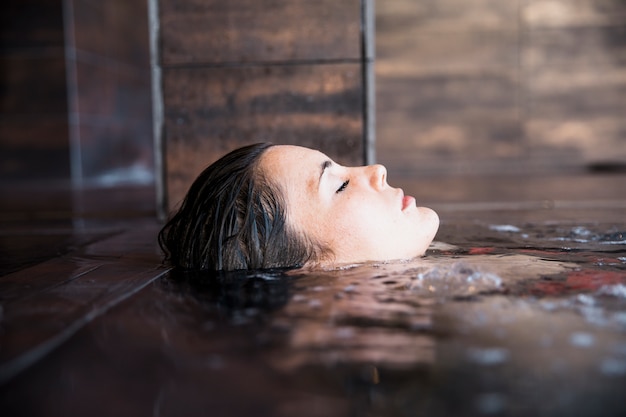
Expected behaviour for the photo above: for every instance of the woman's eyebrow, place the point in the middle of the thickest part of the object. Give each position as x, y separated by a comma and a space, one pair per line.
324, 165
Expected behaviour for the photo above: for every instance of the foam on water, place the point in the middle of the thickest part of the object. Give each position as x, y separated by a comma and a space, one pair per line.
457, 280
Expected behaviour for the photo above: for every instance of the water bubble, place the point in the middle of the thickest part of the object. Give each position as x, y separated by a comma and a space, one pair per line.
315, 303
491, 403
350, 288
613, 367
298, 298
620, 318
488, 356
454, 281
586, 299
594, 315
215, 362
581, 339
620, 349
345, 332
504, 228
618, 290
580, 231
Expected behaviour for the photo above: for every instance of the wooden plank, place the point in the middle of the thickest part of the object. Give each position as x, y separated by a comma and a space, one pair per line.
446, 16
209, 111
576, 93
112, 270
126, 22
58, 271
573, 13
26, 91
32, 23
214, 31
577, 71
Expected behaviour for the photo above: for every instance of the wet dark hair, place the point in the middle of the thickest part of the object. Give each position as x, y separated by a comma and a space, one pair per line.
234, 218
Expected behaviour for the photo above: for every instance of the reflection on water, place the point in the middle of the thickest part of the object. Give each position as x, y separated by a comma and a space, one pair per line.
512, 324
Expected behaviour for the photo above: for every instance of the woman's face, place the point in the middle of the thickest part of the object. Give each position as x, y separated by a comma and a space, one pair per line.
351, 210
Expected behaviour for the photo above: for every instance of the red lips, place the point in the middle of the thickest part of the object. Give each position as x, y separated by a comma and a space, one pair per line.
407, 201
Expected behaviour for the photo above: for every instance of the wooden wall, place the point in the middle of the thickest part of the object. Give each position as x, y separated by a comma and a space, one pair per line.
33, 92
75, 99
497, 87
244, 71
110, 108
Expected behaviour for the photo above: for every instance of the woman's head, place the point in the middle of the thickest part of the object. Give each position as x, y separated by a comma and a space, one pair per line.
350, 210
234, 217
280, 206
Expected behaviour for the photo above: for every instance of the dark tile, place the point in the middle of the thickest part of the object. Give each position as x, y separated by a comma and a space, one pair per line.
214, 31
211, 111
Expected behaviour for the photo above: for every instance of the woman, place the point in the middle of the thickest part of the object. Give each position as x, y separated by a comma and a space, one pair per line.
279, 206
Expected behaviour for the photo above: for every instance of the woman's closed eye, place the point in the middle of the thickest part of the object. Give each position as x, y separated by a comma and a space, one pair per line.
343, 186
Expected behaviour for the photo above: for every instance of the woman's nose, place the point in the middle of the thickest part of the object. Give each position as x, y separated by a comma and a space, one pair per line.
378, 176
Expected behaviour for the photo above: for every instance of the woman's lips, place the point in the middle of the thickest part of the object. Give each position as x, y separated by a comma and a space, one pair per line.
407, 202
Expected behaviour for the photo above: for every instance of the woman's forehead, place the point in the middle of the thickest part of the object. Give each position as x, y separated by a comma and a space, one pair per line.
293, 166
290, 159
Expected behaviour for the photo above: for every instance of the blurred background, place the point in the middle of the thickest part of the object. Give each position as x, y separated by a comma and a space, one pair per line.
464, 91
510, 87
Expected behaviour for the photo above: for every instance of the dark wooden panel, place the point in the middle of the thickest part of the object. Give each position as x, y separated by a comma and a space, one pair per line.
117, 152
98, 277
126, 26
576, 97
115, 129
445, 16
415, 53
567, 13
31, 23
34, 147
425, 120
58, 271
447, 83
214, 31
112, 91
577, 71
33, 83
211, 111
